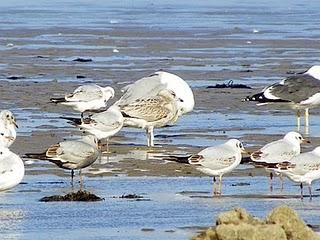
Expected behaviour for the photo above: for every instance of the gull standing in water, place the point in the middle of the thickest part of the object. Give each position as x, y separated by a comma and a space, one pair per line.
71, 155
300, 91
217, 160
147, 89
303, 168
11, 169
282, 150
103, 125
8, 127
88, 97
152, 112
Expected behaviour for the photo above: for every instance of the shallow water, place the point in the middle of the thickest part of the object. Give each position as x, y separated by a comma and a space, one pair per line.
206, 42
171, 208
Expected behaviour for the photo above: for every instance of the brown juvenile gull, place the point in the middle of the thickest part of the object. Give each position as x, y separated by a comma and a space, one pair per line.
152, 112
72, 155
300, 91
89, 97
149, 88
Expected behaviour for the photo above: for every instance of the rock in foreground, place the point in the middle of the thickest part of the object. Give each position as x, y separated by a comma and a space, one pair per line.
82, 196
282, 223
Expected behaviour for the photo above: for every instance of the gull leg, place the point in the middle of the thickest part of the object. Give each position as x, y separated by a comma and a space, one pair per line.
306, 121
270, 182
310, 191
151, 137
282, 181
81, 180
214, 186
220, 182
301, 191
148, 137
108, 145
298, 120
72, 175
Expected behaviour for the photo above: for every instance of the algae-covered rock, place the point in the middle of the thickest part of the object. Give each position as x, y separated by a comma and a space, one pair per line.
292, 224
210, 234
245, 231
282, 223
237, 216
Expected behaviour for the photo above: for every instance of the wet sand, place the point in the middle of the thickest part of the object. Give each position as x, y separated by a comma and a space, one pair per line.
211, 44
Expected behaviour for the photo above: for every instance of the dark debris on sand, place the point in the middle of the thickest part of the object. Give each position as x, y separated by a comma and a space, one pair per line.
82, 196
230, 84
133, 197
82, 60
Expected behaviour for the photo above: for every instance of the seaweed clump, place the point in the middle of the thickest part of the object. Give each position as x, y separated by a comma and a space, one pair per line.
81, 196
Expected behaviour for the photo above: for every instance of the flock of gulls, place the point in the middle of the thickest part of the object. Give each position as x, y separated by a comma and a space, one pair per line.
159, 100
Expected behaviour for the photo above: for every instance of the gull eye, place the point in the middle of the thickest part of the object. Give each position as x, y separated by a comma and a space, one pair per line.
2, 134
240, 145
8, 115
300, 138
1, 153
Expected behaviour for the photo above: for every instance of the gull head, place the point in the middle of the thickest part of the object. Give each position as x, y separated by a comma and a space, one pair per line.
8, 118
314, 71
92, 140
295, 137
108, 92
180, 87
235, 143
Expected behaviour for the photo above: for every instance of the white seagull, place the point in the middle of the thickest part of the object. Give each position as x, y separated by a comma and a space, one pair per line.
282, 150
11, 169
103, 125
88, 97
303, 168
8, 127
71, 155
218, 160
149, 88
300, 91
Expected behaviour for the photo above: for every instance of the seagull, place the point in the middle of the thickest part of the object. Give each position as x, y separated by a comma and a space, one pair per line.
218, 160
282, 150
11, 169
102, 125
8, 127
152, 112
88, 97
150, 87
300, 91
71, 155
303, 168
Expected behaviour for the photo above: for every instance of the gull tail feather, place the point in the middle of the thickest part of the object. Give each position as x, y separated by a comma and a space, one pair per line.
36, 155
73, 121
178, 159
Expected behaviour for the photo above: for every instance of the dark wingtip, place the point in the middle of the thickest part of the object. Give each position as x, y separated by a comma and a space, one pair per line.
57, 100
72, 121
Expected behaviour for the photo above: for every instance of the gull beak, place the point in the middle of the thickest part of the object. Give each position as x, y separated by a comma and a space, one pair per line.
244, 151
305, 141
15, 123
